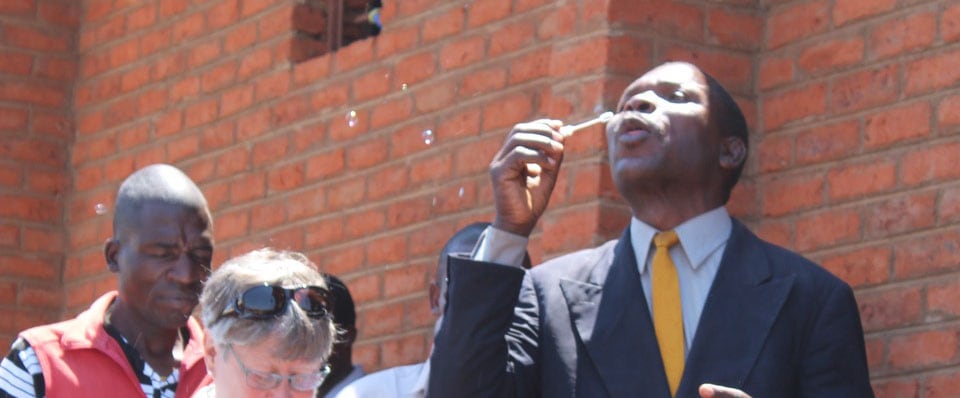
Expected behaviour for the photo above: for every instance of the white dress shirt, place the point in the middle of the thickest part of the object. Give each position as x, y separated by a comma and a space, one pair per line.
355, 373
408, 381
697, 258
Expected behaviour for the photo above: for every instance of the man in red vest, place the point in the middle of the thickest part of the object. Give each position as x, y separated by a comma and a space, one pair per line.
140, 340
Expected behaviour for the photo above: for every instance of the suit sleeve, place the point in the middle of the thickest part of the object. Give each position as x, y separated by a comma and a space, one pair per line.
487, 345
834, 358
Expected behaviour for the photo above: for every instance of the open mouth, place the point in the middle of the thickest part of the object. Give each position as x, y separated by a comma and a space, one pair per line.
634, 129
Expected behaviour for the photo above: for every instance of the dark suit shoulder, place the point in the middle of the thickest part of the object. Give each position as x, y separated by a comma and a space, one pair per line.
787, 262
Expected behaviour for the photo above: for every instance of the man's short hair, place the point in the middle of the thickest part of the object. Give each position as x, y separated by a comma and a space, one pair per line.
727, 117
344, 312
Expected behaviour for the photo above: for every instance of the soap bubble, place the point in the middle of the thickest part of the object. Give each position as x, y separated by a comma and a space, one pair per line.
460, 192
100, 209
428, 137
351, 118
403, 87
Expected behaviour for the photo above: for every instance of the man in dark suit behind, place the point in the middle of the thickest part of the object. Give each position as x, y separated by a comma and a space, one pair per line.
687, 296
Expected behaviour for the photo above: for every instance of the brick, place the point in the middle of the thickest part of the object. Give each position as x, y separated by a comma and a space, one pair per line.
370, 85
511, 38
267, 215
325, 164
286, 177
828, 142
367, 153
182, 148
382, 320
506, 111
18, 7
142, 17
218, 77
254, 63
922, 349
222, 14
385, 182
34, 151
827, 229
408, 140
34, 38
679, 20
930, 164
431, 169
415, 68
476, 157
240, 37
948, 112
169, 124
343, 260
852, 181
901, 35
901, 214
276, 21
942, 298
430, 239
390, 112
305, 204
15, 62
155, 40
236, 99
232, 224
364, 223
169, 65
47, 182
530, 66
271, 86
890, 308
201, 113
13, 119
232, 162
932, 72
942, 385
791, 193
248, 187
396, 40
579, 58
443, 25
735, 29
345, 194
869, 88
171, 7
254, 123
406, 212
292, 109
462, 52
324, 232
203, 53
925, 255
134, 78
11, 176
357, 54
949, 205
852, 10
558, 22
775, 152
406, 349
570, 227
795, 105
123, 53
860, 267
29, 92
29, 266
950, 23
483, 81
465, 123
435, 96
796, 22
387, 250
188, 27
775, 71
831, 55
896, 125
896, 388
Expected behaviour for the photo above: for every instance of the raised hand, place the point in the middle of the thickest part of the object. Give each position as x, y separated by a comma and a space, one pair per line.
524, 173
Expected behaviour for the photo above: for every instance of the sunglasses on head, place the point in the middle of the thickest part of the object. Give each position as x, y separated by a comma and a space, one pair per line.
266, 301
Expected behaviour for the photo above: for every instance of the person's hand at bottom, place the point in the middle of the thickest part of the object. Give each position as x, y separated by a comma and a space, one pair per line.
715, 391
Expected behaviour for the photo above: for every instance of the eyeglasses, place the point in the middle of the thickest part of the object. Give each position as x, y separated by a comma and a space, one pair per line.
267, 381
265, 301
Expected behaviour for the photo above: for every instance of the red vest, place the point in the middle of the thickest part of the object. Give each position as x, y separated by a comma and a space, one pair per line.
79, 359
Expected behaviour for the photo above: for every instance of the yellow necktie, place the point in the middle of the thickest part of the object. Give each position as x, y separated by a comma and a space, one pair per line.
667, 312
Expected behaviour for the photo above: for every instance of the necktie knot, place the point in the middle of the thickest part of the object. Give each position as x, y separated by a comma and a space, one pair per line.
665, 239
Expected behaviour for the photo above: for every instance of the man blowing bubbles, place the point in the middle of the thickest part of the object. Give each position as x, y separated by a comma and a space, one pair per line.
688, 296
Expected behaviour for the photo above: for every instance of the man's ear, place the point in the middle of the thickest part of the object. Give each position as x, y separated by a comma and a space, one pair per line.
209, 353
111, 249
434, 298
733, 152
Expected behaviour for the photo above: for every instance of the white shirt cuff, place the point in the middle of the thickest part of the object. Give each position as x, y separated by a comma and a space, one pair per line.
501, 247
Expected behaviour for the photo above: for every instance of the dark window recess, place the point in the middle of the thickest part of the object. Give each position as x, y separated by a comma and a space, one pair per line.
326, 25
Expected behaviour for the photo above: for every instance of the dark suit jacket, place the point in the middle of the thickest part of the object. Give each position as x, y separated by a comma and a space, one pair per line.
774, 325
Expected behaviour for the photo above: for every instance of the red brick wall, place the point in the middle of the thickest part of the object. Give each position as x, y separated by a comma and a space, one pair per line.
853, 106
857, 168
37, 73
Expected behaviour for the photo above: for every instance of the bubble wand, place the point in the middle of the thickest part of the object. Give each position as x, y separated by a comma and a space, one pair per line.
569, 130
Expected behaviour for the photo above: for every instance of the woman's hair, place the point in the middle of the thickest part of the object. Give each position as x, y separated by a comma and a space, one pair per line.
296, 335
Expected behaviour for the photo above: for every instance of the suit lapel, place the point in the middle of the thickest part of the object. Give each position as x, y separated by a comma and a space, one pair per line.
613, 323
742, 306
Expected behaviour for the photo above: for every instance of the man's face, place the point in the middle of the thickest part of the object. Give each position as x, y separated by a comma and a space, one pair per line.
661, 134
161, 259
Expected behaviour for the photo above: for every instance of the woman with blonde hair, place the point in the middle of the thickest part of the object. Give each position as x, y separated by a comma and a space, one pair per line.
269, 329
